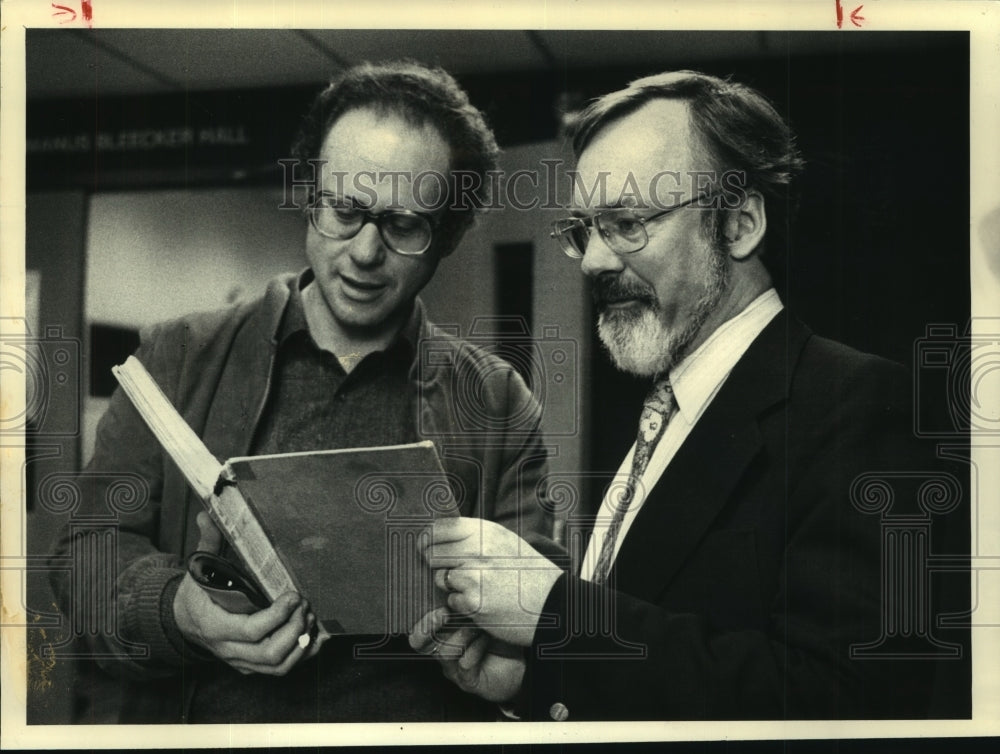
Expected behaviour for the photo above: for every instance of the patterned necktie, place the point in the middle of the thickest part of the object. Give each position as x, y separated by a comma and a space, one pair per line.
656, 412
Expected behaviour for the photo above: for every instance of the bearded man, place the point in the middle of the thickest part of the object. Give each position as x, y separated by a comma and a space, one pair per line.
734, 573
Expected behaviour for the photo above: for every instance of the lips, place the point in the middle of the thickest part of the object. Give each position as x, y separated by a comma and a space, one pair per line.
361, 289
610, 292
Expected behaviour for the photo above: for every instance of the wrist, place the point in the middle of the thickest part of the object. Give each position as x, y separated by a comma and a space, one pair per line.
180, 637
149, 585
542, 583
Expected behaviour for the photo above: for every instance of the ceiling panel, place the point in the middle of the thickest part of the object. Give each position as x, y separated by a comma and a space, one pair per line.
221, 58
825, 43
62, 63
684, 49
72, 63
603, 48
456, 51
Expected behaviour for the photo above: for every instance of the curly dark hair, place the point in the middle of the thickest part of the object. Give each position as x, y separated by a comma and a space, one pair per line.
739, 129
422, 96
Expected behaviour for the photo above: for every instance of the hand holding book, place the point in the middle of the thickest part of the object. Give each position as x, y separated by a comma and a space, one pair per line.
268, 641
355, 557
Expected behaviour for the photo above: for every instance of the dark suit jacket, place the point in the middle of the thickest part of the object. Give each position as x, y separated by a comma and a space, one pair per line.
749, 573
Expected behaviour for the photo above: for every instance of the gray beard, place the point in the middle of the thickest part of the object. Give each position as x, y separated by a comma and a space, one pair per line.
641, 344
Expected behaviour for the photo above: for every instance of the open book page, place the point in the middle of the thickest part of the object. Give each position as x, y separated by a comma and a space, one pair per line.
199, 466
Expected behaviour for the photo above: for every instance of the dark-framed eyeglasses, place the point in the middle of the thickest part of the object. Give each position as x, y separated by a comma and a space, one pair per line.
621, 228
402, 230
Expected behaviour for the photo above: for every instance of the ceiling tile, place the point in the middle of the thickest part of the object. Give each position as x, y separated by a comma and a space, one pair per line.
456, 51
678, 48
64, 63
76, 63
223, 58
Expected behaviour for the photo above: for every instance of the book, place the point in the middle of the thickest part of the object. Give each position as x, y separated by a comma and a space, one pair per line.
342, 527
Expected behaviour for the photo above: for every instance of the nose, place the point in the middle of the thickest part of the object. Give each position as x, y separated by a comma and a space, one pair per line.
598, 257
367, 248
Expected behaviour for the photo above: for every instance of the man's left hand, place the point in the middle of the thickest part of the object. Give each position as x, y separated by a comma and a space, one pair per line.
471, 659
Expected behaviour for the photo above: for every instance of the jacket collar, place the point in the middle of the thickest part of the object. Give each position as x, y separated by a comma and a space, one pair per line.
706, 469
247, 373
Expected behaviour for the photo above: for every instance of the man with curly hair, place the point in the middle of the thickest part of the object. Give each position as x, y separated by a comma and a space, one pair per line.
324, 359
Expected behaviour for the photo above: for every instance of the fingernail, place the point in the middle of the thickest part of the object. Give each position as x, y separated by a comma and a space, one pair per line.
304, 640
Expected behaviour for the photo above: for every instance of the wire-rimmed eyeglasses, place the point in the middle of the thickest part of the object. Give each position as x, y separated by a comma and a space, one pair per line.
621, 228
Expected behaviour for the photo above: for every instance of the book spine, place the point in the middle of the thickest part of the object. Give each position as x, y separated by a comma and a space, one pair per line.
235, 519
228, 509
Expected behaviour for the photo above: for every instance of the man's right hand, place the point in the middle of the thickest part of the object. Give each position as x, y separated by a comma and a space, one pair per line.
265, 642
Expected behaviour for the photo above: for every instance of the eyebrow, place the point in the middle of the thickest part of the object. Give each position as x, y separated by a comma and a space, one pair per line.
355, 204
353, 200
575, 212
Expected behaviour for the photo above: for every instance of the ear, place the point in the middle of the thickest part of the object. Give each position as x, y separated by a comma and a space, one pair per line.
744, 227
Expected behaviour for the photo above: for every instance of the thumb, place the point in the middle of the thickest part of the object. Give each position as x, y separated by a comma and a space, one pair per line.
210, 539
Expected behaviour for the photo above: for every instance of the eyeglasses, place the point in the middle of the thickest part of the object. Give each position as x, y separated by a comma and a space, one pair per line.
402, 230
621, 229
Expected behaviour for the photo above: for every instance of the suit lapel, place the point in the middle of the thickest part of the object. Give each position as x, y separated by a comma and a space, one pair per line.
707, 468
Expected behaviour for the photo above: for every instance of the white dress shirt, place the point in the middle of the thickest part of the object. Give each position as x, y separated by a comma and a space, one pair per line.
695, 381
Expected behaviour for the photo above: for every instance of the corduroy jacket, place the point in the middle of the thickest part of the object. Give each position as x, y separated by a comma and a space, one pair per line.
216, 369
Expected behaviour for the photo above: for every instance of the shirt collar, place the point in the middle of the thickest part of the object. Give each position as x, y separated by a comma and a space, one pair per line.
699, 376
294, 319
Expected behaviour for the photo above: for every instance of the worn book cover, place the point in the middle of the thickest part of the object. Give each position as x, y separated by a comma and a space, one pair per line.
347, 523
342, 527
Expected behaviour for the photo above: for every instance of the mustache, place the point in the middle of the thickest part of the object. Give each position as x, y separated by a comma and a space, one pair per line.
611, 290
